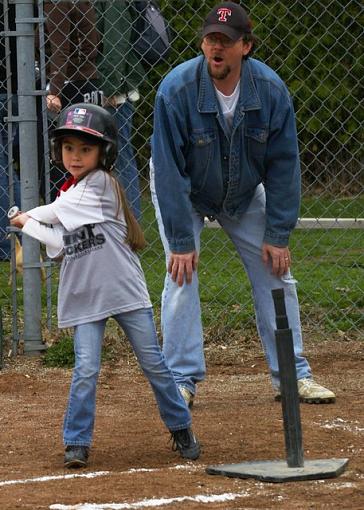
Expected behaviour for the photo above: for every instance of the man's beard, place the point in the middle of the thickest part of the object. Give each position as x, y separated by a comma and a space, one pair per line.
219, 75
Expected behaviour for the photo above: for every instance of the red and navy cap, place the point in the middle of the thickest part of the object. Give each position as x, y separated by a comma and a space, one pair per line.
227, 18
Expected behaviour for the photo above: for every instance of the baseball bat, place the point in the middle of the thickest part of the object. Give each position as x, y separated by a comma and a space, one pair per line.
13, 211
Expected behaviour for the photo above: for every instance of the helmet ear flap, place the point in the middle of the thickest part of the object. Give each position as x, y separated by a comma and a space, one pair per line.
56, 150
108, 155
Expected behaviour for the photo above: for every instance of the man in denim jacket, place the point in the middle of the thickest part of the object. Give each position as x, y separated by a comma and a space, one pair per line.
225, 147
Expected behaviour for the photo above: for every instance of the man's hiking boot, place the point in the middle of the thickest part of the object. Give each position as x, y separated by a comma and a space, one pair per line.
75, 456
312, 393
186, 443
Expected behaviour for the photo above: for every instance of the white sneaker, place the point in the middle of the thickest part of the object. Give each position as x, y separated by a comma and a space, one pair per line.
311, 392
187, 395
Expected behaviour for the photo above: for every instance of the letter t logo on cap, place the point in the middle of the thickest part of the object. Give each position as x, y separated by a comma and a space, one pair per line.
222, 13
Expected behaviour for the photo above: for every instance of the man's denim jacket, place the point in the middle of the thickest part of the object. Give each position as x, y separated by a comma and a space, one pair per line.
199, 164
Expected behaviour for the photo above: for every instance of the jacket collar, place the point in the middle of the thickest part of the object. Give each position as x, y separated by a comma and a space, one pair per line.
248, 100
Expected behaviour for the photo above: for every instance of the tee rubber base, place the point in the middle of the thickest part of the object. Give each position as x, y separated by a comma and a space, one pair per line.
278, 471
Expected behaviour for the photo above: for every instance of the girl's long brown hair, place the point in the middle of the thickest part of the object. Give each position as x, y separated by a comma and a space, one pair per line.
135, 236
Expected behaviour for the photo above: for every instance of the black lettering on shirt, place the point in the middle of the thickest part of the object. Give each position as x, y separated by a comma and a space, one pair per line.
81, 242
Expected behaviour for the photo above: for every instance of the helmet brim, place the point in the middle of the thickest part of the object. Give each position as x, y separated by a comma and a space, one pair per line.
78, 130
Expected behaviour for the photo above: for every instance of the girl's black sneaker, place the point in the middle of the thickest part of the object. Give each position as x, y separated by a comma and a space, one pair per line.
186, 443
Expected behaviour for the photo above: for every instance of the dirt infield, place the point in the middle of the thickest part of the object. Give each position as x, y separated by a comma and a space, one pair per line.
132, 465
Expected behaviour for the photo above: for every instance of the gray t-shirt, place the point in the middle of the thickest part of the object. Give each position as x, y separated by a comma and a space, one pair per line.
100, 275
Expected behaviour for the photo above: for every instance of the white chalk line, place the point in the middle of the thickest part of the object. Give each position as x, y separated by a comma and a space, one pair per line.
54, 477
154, 502
339, 423
95, 474
150, 503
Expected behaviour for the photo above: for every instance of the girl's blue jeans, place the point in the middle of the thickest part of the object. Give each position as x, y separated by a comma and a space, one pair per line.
181, 313
139, 327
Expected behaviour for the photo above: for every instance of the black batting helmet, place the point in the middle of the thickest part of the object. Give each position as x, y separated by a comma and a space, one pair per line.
91, 122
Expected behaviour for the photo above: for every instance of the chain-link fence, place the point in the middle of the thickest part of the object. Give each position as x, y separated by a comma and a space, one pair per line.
54, 53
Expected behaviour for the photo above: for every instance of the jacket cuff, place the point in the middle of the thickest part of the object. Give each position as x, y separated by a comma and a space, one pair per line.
182, 246
276, 239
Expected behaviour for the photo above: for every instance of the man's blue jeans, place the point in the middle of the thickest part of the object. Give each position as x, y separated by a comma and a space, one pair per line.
4, 180
181, 314
126, 168
139, 327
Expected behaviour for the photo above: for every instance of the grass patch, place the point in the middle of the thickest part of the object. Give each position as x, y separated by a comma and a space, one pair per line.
60, 354
319, 207
60, 351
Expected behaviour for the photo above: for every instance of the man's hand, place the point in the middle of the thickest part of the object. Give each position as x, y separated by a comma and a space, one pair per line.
19, 220
181, 265
278, 258
53, 103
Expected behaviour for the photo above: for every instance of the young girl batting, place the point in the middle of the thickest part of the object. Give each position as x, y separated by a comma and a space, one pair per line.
91, 227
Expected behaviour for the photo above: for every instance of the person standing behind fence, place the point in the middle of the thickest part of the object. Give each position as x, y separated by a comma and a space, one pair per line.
224, 146
71, 46
101, 276
4, 140
121, 73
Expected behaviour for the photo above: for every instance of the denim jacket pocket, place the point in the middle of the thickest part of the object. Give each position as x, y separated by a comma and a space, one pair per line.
257, 140
256, 143
200, 154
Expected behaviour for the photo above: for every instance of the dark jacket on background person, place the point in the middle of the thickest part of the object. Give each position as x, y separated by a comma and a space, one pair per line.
71, 43
120, 68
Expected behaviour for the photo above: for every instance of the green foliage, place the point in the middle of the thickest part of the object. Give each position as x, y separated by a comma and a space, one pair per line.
60, 354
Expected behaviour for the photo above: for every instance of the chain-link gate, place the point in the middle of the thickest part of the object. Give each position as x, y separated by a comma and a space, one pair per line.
83, 51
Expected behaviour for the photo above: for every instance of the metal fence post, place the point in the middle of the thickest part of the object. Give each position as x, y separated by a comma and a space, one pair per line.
27, 119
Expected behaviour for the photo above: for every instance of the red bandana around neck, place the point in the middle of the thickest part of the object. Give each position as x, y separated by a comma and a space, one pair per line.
67, 184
